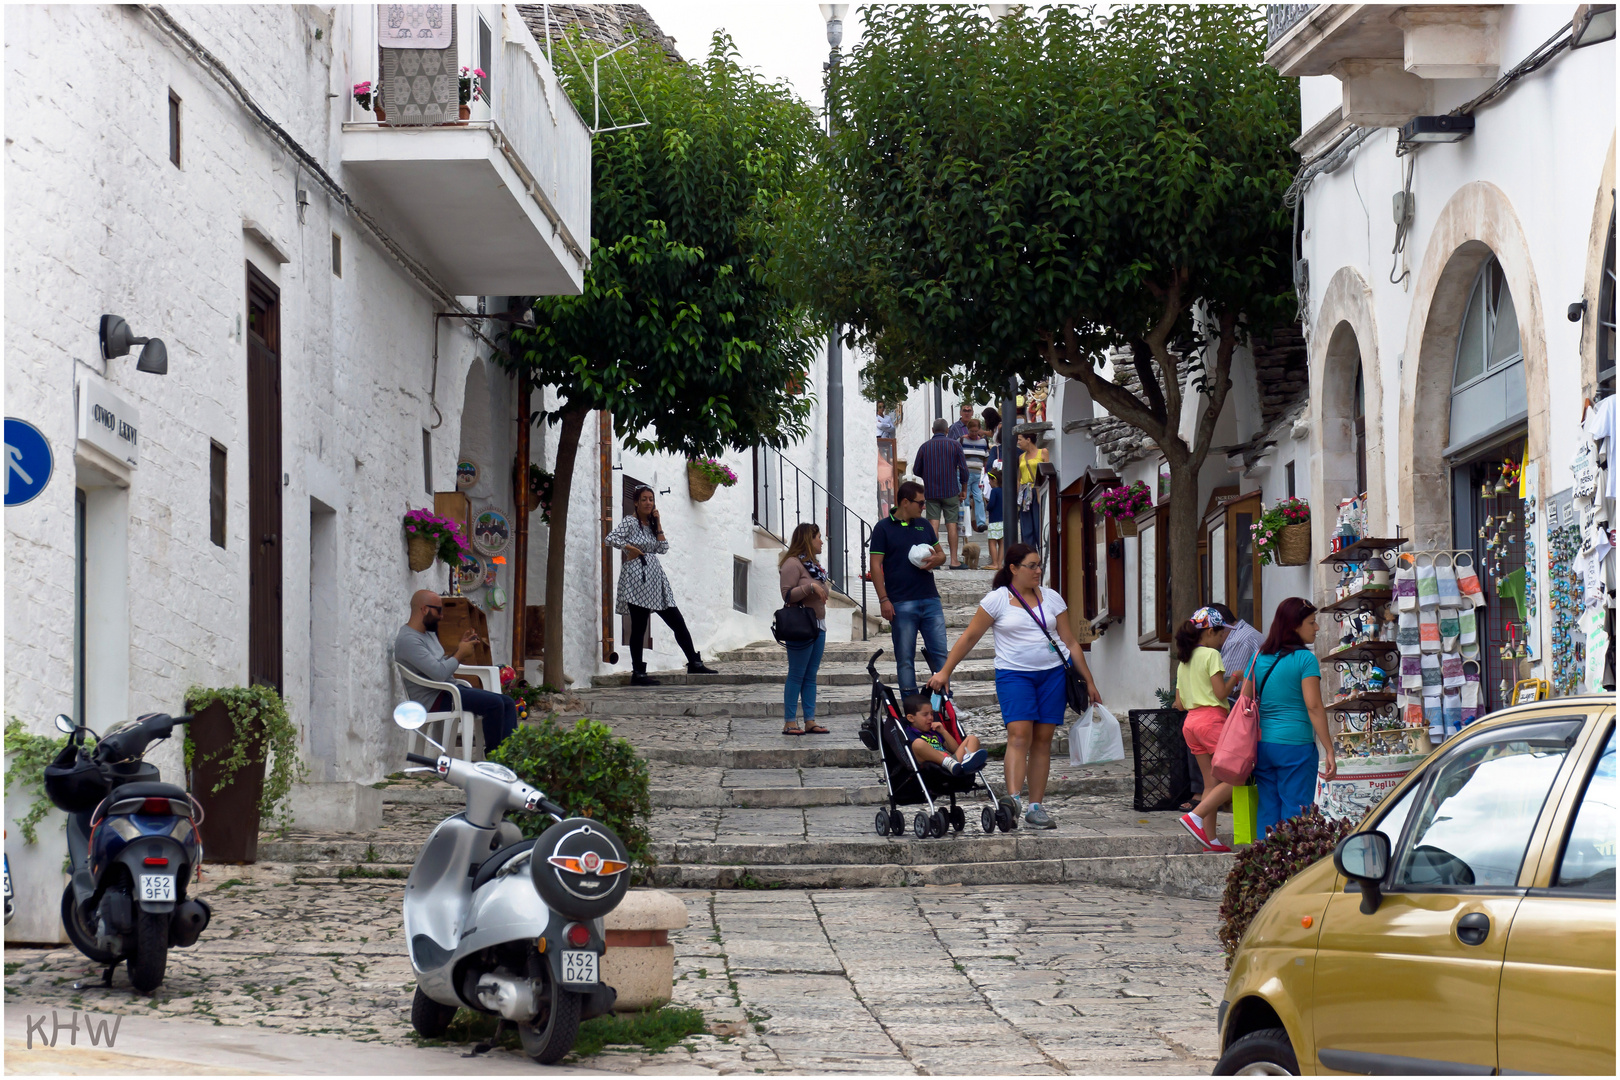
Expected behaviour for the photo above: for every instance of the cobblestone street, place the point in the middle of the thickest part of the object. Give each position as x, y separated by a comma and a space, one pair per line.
950, 979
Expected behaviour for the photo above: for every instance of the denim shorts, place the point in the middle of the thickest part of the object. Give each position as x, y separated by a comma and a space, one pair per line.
1040, 696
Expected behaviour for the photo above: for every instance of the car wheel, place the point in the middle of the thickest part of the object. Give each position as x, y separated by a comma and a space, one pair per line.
1259, 1053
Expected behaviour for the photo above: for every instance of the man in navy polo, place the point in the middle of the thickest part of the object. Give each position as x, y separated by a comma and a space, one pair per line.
944, 471
906, 593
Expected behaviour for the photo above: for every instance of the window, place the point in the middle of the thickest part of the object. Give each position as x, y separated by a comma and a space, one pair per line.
1474, 820
1487, 382
739, 583
1605, 335
1234, 566
337, 255
1394, 819
1359, 418
216, 493
1152, 583
174, 128
486, 58
427, 460
1587, 864
1288, 471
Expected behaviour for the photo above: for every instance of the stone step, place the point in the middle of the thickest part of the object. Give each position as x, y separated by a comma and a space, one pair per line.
868, 849
773, 671
851, 652
862, 788
748, 701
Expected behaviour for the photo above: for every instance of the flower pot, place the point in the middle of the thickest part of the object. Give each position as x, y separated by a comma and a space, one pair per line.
422, 552
1126, 526
466, 112
701, 487
382, 117
1294, 544
232, 814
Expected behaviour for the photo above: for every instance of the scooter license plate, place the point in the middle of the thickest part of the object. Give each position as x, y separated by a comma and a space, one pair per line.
579, 968
157, 887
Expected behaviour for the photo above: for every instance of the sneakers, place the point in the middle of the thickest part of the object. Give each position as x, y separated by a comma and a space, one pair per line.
1037, 817
1220, 848
975, 761
1196, 827
1011, 804
952, 766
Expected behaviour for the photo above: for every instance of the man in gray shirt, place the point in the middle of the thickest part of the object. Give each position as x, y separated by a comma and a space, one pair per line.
417, 647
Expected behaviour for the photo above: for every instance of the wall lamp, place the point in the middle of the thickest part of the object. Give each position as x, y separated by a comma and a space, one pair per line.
1592, 23
116, 338
1433, 129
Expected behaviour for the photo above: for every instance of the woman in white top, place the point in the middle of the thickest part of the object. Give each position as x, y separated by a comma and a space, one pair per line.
1033, 644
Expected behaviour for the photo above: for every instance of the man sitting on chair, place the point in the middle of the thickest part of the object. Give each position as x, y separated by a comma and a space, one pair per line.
418, 648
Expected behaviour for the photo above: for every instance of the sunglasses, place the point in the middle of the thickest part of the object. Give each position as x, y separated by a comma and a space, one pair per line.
435, 607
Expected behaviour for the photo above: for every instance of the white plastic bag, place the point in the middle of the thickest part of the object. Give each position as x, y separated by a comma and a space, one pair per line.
1095, 738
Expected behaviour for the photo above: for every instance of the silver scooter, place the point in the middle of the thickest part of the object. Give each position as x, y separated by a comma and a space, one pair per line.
507, 926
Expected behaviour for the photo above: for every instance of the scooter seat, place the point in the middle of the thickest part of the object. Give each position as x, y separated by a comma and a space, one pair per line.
149, 789
491, 865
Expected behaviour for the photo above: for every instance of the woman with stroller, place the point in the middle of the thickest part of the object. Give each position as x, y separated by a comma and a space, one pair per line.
643, 588
804, 581
1034, 644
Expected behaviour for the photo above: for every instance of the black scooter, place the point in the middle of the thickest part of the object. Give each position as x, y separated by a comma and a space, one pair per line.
133, 847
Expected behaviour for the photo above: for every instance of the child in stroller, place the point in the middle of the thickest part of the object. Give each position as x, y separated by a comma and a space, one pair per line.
916, 760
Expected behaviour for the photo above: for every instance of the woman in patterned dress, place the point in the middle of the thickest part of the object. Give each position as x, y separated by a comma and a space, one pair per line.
643, 588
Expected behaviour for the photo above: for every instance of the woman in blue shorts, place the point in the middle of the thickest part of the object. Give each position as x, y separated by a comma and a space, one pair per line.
1029, 671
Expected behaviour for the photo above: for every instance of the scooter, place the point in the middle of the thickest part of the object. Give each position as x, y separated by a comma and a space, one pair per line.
133, 846
506, 926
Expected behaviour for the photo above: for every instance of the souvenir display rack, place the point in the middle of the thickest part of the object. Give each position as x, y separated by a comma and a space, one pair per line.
1369, 719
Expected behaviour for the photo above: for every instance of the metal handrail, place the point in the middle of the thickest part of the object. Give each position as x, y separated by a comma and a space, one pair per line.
772, 481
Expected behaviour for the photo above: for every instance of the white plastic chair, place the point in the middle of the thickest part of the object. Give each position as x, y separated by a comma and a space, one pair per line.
458, 720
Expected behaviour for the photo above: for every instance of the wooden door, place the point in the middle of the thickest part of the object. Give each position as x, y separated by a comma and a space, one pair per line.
264, 481
1233, 568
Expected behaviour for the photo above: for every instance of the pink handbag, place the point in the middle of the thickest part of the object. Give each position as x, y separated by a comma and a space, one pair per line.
1239, 744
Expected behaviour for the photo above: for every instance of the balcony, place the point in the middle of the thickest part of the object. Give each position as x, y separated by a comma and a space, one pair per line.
498, 204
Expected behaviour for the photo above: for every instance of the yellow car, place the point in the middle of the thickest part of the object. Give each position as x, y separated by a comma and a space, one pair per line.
1466, 929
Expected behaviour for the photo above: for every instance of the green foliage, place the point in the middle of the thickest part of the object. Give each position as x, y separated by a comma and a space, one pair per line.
27, 755
260, 724
1167, 698
679, 332
587, 770
656, 1030
1260, 871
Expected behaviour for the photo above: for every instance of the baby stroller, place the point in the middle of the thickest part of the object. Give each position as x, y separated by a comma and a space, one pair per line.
910, 782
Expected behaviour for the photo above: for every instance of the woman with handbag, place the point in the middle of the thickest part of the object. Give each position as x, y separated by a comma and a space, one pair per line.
1292, 719
1036, 676
804, 585
1202, 686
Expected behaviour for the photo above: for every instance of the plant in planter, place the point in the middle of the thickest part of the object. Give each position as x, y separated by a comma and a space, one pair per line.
432, 537
29, 754
365, 96
588, 770
541, 483
703, 475
1260, 871
1283, 533
472, 88
1123, 503
239, 731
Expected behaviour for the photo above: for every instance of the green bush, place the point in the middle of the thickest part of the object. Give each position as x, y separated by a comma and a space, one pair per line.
1260, 871
259, 722
587, 770
29, 755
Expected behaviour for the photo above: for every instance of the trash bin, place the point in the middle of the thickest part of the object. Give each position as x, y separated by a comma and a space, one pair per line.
1160, 753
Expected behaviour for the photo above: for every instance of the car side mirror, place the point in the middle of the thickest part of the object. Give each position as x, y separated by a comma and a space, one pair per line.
410, 715
65, 724
1364, 858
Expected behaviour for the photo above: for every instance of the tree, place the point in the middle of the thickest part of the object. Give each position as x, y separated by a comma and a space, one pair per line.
1014, 198
678, 332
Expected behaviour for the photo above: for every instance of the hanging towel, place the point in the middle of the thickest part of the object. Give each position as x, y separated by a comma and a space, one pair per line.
1405, 585
1451, 713
1429, 630
1407, 638
1470, 689
1412, 715
1451, 672
1467, 626
1431, 710
1446, 577
1431, 671
1468, 580
1512, 588
1411, 672
1428, 586
1449, 630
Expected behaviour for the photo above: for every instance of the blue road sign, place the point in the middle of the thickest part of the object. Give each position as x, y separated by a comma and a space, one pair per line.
28, 462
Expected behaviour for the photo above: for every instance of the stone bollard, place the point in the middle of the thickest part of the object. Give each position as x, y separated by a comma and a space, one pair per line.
640, 961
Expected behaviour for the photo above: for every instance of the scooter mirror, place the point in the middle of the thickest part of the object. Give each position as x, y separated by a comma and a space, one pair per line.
410, 715
65, 724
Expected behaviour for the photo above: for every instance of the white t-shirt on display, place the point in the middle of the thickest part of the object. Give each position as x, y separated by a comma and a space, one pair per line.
1020, 644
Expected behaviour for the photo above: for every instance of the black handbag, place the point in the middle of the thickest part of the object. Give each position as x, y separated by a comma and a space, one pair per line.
1074, 683
794, 624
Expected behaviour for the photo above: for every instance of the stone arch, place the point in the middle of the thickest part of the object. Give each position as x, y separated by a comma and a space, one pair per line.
1597, 242
1344, 341
1478, 222
476, 443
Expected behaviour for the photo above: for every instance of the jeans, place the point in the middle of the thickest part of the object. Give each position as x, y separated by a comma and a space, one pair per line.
497, 711
1286, 776
910, 616
1029, 524
640, 617
973, 505
804, 660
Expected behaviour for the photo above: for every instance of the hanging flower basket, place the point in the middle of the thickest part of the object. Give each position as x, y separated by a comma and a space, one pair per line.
1294, 545
1126, 526
422, 551
429, 536
704, 475
1282, 536
1123, 503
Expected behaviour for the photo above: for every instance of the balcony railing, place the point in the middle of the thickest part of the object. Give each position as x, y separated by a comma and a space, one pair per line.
1281, 18
786, 496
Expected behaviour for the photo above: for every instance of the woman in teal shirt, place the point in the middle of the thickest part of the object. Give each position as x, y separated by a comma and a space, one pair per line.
1288, 686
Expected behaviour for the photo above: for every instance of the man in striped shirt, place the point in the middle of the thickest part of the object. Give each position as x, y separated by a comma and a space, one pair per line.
944, 473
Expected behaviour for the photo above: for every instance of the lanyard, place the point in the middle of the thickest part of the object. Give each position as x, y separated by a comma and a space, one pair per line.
1034, 613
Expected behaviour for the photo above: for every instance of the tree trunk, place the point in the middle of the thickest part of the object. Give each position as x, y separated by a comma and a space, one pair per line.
1181, 541
573, 421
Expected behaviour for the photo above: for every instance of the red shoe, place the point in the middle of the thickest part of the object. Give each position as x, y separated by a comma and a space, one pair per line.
1217, 846
1192, 825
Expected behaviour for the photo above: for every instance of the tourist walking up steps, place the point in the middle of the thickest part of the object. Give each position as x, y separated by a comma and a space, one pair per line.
1202, 686
907, 595
976, 449
1288, 679
1030, 682
804, 581
643, 588
943, 468
1242, 645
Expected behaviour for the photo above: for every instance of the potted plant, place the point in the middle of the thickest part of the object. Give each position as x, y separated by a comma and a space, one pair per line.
703, 475
1283, 533
541, 483
1123, 503
472, 89
237, 730
369, 99
430, 537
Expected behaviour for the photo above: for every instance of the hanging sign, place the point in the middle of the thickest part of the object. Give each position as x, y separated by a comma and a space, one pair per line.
28, 462
108, 422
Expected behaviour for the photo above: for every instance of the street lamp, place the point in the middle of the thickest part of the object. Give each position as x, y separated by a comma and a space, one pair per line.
117, 337
836, 553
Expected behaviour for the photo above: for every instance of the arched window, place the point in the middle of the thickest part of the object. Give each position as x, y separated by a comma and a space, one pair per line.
1605, 341
1487, 384
1359, 415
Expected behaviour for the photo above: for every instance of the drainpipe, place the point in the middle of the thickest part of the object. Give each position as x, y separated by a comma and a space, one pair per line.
520, 546
604, 448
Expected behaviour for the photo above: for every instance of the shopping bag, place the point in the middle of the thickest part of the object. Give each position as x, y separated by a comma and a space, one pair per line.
1095, 738
1245, 814
1240, 735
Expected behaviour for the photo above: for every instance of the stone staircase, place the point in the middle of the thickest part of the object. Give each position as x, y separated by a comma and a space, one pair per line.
737, 804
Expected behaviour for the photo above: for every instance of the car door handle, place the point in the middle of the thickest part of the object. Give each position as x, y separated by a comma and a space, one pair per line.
1474, 928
